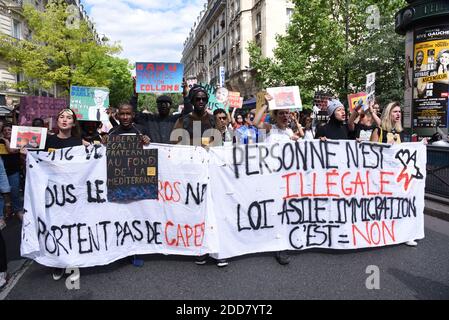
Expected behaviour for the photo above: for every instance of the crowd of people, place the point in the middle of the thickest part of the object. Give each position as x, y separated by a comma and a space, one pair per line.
195, 125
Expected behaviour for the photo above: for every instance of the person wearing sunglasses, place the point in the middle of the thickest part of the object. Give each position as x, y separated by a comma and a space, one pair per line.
247, 133
183, 130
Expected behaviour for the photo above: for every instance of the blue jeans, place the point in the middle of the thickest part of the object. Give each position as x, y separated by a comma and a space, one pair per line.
16, 199
4, 185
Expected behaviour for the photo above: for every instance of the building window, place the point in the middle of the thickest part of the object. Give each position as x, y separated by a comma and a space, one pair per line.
289, 14
16, 29
237, 6
258, 22
20, 77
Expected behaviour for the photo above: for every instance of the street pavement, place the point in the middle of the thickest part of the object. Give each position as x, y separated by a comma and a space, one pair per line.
405, 273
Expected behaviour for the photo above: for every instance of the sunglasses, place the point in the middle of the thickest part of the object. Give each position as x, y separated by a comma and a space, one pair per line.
201, 99
222, 118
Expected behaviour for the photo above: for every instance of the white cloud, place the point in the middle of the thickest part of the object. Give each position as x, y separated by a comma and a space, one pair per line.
148, 30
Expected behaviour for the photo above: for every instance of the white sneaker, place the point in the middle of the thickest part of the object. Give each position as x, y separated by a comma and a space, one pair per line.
2, 279
58, 273
411, 243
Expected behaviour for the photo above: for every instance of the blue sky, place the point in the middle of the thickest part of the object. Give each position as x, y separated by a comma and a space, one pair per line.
148, 30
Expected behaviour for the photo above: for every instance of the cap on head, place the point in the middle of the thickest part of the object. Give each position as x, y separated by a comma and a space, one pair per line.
195, 90
333, 105
161, 99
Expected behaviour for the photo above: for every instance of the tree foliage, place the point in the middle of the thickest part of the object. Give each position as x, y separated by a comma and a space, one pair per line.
331, 45
57, 53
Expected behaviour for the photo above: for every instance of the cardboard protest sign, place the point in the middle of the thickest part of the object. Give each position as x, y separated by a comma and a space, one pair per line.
357, 99
370, 87
46, 108
234, 99
217, 97
191, 81
89, 103
132, 171
159, 77
28, 137
260, 100
284, 98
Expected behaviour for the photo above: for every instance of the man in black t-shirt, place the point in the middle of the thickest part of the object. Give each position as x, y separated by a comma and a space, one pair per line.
127, 126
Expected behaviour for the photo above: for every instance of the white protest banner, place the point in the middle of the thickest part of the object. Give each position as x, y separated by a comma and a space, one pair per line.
312, 194
284, 98
231, 201
370, 87
70, 223
28, 137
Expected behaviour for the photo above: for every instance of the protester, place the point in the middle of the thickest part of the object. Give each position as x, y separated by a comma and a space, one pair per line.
278, 132
3, 261
38, 123
12, 167
68, 136
309, 130
90, 131
199, 98
128, 127
247, 133
367, 121
236, 120
222, 125
336, 128
390, 131
68, 132
5, 190
160, 126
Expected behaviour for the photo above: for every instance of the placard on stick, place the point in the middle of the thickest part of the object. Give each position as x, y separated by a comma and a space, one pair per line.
31, 138
285, 98
132, 171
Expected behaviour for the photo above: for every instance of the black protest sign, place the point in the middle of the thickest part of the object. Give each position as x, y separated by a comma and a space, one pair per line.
132, 171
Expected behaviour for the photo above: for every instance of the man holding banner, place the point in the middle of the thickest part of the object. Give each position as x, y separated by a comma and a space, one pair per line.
128, 127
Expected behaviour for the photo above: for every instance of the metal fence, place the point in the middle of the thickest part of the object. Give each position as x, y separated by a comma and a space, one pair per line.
437, 181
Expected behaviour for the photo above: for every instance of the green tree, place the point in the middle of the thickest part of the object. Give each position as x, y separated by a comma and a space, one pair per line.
121, 82
329, 46
58, 54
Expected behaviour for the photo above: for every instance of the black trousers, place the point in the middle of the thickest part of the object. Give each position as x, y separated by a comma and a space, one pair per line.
3, 264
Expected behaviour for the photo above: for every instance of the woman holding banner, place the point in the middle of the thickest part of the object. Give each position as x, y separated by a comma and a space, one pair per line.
68, 136
336, 128
69, 132
390, 131
277, 133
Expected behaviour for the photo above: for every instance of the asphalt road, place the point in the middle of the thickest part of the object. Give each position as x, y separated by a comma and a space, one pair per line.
405, 273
